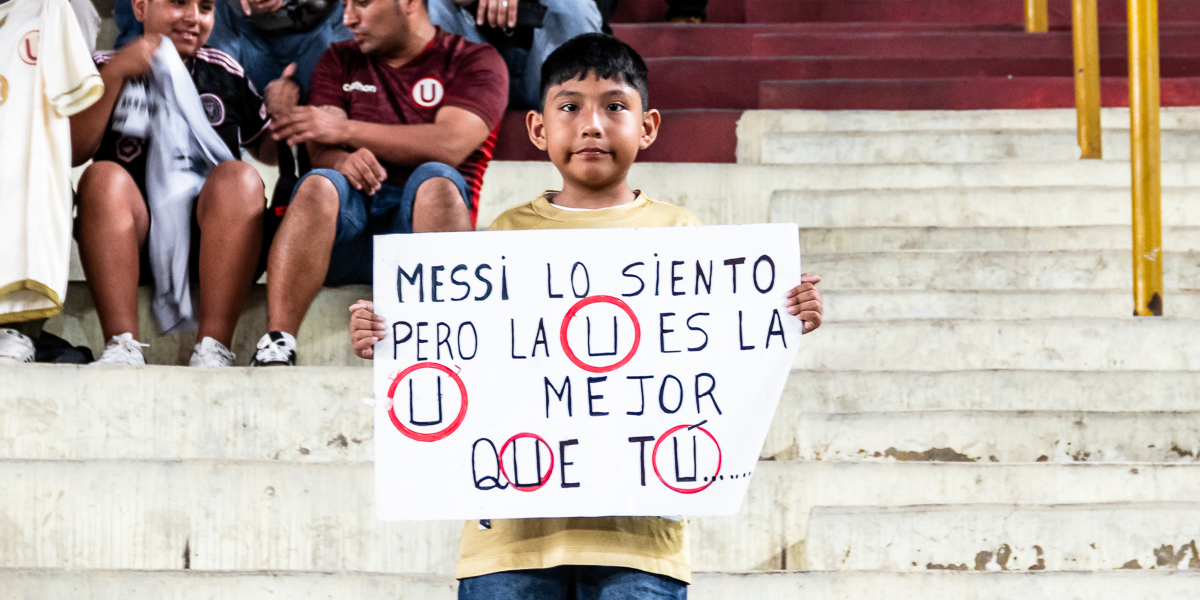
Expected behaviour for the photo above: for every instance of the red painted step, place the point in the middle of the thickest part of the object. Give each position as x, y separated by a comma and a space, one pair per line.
685, 136
962, 93
965, 44
733, 83
659, 40
944, 11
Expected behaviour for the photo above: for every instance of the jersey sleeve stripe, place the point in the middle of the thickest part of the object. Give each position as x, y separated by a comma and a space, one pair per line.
250, 141
221, 59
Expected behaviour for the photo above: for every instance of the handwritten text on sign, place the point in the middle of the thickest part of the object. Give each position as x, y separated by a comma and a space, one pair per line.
578, 372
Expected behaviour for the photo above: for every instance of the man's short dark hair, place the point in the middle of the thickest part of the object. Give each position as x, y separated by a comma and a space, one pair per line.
599, 54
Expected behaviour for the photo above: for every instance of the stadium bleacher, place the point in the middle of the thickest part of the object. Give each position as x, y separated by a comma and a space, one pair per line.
979, 417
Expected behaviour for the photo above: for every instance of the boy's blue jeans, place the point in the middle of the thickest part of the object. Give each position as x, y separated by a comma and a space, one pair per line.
572, 582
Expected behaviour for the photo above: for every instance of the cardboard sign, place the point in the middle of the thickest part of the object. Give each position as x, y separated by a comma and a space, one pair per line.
570, 373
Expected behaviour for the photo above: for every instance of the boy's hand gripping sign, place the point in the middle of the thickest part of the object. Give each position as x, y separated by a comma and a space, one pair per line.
578, 373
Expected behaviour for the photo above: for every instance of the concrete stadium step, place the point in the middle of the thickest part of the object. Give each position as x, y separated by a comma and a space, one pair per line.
97, 584
994, 537
862, 305
1083, 205
941, 11
933, 44
736, 194
860, 391
999, 270
998, 436
275, 515
154, 413
818, 240
955, 93
1056, 344
323, 337
951, 146
725, 82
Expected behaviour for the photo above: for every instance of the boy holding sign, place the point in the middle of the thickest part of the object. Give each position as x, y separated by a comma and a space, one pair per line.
593, 121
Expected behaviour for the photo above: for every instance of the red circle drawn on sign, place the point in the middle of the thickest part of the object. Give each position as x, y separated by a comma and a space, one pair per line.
654, 460
437, 435
617, 302
543, 480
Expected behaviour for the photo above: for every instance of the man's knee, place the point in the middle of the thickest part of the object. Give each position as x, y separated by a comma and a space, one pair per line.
439, 192
317, 196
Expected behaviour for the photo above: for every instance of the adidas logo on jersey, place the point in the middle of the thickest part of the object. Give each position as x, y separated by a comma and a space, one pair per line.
357, 86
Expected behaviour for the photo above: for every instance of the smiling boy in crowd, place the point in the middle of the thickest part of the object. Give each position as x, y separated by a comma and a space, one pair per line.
593, 121
113, 222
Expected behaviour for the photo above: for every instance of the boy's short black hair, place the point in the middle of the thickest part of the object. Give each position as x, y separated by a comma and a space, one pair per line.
598, 53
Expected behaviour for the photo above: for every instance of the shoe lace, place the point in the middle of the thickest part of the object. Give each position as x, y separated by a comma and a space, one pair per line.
272, 351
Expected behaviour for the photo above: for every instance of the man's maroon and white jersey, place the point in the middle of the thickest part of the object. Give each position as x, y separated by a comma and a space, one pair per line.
232, 105
451, 71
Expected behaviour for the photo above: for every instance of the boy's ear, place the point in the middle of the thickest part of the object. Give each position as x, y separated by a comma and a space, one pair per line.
537, 129
651, 120
139, 10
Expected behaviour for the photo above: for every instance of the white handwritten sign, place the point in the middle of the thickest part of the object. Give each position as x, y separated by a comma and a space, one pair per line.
572, 373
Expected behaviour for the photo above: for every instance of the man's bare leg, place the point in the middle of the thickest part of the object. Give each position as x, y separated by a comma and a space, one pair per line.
439, 206
111, 226
230, 212
299, 257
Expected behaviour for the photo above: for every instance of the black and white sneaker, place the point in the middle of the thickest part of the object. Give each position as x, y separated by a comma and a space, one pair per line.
276, 349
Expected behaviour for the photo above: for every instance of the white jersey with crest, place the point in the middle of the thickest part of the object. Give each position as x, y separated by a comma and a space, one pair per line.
46, 75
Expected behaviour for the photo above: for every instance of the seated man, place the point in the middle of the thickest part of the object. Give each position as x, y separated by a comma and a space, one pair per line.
400, 126
113, 222
564, 20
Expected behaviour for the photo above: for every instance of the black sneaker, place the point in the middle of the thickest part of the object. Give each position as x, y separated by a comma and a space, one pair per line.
276, 349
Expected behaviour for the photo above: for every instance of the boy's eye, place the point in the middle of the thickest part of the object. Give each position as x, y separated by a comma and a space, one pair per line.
568, 108
616, 107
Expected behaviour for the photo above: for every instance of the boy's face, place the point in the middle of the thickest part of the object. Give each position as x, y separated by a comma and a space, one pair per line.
380, 27
186, 22
593, 128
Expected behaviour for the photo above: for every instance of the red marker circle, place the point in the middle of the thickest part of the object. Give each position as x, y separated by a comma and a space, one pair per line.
437, 435
654, 460
562, 334
543, 480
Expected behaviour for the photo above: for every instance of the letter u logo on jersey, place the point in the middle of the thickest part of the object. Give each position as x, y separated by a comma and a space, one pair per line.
428, 92
27, 48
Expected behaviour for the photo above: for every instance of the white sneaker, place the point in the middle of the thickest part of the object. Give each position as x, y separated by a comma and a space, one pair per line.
276, 349
15, 347
123, 350
211, 353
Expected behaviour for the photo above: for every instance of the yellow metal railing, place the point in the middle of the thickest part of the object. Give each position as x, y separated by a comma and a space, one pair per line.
1036, 20
1086, 37
1145, 158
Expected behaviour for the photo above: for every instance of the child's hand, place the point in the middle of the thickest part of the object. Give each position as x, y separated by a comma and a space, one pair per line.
804, 301
366, 328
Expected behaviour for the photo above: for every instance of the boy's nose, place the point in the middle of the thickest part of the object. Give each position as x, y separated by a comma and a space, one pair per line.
592, 124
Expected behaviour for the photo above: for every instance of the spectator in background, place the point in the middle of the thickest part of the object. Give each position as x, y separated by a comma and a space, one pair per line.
400, 126
113, 222
678, 11
484, 21
264, 36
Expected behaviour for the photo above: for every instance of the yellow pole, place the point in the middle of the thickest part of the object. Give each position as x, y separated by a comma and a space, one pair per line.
1036, 20
1145, 158
1085, 33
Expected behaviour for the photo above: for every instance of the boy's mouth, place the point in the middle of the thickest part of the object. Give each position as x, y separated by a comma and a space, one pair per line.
187, 36
589, 152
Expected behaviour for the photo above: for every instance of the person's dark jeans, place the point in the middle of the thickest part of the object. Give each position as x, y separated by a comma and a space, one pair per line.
572, 582
687, 8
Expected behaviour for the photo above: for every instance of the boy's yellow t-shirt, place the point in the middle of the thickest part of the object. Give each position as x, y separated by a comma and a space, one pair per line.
651, 544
